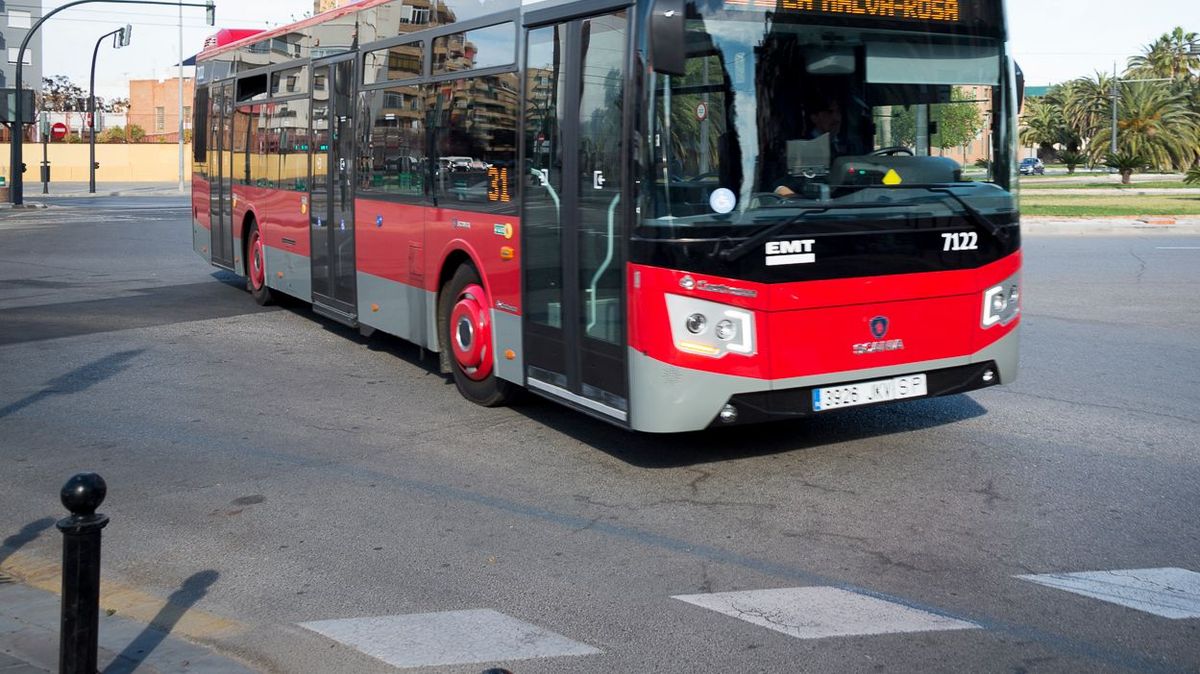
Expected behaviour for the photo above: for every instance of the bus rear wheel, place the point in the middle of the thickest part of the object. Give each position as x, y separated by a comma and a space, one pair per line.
256, 268
466, 336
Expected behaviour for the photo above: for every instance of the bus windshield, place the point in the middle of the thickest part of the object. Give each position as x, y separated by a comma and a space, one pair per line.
774, 118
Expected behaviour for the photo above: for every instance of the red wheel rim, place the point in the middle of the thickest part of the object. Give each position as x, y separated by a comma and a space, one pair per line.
258, 273
471, 333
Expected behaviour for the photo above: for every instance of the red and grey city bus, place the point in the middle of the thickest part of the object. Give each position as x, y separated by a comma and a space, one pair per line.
669, 214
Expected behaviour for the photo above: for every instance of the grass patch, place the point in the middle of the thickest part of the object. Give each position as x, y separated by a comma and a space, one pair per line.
1116, 184
1100, 205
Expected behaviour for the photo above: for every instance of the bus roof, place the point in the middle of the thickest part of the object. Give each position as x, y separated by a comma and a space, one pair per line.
248, 37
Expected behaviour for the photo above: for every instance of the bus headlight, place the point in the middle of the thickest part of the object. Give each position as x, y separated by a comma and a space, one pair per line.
733, 331
1001, 303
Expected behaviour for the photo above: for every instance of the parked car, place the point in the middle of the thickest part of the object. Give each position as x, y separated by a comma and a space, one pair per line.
1031, 165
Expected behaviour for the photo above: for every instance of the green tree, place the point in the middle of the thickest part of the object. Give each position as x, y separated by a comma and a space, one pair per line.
1174, 55
1153, 123
1087, 105
1125, 163
1042, 124
60, 94
1072, 159
113, 134
136, 133
958, 122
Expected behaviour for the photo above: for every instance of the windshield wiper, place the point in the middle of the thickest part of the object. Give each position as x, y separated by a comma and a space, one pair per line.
974, 214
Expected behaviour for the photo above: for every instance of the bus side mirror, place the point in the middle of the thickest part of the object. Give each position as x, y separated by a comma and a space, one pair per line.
667, 53
1020, 86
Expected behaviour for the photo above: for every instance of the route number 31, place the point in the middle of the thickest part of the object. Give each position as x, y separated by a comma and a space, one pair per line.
960, 241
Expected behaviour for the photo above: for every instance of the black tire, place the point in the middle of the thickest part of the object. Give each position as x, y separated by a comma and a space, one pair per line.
490, 390
256, 273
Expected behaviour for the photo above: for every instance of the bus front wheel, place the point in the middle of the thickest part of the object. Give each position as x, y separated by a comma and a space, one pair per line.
466, 336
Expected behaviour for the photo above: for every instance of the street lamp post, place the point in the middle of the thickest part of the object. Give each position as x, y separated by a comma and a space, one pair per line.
122, 36
15, 162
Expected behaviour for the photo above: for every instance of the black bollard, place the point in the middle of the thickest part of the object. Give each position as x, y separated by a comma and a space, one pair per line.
82, 494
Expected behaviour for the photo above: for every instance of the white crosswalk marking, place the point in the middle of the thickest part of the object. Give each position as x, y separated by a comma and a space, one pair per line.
448, 638
1167, 592
819, 612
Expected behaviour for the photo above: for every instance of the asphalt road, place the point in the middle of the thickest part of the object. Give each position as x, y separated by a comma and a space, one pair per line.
268, 468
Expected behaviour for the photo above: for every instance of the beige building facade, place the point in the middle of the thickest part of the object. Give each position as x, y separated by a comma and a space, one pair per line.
154, 106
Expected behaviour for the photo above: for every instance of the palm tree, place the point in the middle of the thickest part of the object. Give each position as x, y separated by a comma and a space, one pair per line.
1172, 55
1153, 123
1041, 124
1087, 104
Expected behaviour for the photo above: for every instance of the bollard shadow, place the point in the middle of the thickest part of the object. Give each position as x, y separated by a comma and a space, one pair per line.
77, 380
178, 604
28, 533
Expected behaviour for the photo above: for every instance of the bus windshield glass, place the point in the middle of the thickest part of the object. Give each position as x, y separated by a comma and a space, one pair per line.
780, 114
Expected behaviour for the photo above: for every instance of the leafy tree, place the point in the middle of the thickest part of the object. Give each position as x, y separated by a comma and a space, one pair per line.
1042, 124
1193, 176
116, 105
1072, 159
136, 133
1125, 163
1087, 105
113, 134
60, 94
1155, 124
1171, 55
958, 122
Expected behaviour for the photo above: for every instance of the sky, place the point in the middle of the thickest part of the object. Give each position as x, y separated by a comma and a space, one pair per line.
1053, 40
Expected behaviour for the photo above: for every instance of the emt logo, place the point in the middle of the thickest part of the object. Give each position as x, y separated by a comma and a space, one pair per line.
797, 251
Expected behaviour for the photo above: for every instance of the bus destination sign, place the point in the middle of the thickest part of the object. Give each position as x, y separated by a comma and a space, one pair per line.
917, 10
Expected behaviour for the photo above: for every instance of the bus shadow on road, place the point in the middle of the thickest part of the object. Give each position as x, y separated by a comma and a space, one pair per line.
647, 450
739, 442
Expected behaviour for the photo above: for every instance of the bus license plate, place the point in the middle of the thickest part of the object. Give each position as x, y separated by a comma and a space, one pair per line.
867, 392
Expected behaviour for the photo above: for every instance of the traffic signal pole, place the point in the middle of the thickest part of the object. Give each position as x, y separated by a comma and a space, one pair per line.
92, 111
16, 166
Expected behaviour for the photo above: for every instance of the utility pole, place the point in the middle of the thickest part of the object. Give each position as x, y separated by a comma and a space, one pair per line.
181, 96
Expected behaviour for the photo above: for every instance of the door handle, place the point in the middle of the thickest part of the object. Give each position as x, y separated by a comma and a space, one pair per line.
598, 179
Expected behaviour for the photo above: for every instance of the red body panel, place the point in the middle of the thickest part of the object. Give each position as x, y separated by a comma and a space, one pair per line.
485, 240
809, 328
399, 242
201, 210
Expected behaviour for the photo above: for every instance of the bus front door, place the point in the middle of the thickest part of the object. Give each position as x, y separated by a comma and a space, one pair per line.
220, 170
574, 219
331, 211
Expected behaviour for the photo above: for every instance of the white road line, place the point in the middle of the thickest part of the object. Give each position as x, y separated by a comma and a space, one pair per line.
1167, 592
819, 612
1177, 248
448, 638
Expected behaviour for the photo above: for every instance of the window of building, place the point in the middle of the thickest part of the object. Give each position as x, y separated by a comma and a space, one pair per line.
402, 62
12, 55
160, 118
19, 19
187, 116
474, 49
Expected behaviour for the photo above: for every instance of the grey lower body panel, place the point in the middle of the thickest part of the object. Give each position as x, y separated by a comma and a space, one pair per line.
288, 272
398, 309
669, 399
507, 335
202, 240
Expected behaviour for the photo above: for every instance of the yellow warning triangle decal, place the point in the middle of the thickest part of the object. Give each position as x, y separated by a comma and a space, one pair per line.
892, 178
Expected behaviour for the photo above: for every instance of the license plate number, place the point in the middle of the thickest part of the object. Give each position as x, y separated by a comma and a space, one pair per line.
867, 392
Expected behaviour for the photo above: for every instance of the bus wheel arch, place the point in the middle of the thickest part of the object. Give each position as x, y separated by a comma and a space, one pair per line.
466, 345
254, 257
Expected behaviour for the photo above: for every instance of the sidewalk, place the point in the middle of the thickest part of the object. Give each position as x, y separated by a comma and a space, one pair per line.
33, 191
29, 623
